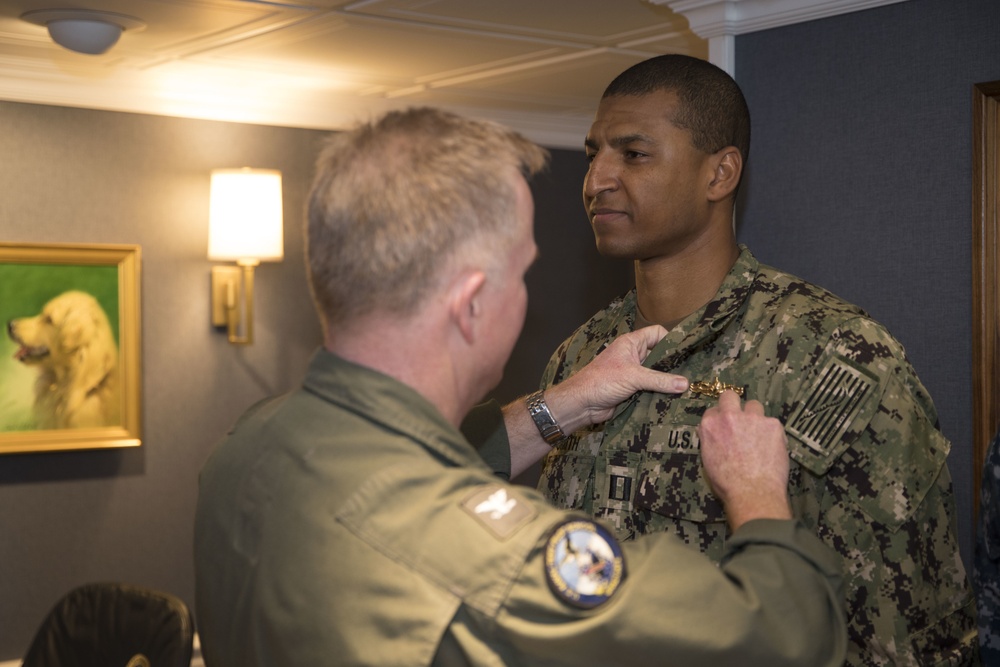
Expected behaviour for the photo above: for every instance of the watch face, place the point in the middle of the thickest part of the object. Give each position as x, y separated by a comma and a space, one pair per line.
543, 419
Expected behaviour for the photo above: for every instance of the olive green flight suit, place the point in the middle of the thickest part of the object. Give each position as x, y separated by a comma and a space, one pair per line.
349, 524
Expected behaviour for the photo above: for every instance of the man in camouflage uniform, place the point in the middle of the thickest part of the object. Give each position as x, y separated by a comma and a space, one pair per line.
986, 573
869, 471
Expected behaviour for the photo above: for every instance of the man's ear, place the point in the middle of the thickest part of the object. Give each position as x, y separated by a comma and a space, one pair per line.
465, 302
727, 166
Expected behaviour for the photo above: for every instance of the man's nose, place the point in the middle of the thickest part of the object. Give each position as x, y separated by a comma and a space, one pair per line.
600, 177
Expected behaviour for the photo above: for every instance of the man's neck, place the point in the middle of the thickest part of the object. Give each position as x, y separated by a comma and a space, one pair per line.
668, 289
403, 350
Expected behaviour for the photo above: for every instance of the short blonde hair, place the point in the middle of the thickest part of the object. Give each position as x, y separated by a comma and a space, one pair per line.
395, 200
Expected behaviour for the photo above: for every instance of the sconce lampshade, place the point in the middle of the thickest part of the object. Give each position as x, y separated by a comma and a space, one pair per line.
245, 218
83, 30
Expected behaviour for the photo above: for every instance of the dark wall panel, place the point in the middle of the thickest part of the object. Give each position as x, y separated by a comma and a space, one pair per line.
569, 282
860, 178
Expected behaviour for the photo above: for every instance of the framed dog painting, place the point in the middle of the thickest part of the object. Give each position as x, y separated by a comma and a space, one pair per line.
70, 356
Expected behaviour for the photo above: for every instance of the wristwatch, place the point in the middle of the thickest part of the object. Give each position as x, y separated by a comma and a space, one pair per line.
546, 423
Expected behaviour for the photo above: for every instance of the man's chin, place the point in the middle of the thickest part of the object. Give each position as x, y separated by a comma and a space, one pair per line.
613, 251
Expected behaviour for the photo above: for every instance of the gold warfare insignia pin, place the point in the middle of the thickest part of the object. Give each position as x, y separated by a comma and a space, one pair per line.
714, 389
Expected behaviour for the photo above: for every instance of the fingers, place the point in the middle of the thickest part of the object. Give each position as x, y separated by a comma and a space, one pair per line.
667, 383
649, 336
641, 341
730, 400
745, 459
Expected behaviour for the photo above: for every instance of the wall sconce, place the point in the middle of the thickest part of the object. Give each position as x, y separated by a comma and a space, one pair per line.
244, 226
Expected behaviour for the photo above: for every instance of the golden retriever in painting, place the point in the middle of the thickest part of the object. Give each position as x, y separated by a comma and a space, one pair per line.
71, 344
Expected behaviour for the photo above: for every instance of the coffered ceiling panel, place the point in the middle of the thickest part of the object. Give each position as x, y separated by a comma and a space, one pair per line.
539, 65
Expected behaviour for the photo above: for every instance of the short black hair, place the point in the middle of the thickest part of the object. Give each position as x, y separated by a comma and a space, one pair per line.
711, 105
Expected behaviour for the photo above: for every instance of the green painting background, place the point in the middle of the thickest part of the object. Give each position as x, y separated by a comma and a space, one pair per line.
24, 290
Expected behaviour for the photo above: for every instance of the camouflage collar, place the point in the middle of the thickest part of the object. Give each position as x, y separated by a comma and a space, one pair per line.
709, 320
697, 328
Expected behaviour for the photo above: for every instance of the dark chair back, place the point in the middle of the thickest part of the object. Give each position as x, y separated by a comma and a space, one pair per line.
114, 625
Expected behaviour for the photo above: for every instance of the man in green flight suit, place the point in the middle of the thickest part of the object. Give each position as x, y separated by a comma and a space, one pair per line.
667, 151
350, 522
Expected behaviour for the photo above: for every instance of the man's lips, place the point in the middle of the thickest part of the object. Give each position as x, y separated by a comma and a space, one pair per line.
600, 216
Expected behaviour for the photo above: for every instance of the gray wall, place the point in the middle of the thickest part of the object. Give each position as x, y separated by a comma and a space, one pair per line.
81, 176
860, 178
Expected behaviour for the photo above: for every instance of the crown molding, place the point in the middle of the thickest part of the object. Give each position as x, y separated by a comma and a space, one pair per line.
717, 18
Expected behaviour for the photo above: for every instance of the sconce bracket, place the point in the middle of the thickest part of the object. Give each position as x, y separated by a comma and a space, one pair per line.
224, 279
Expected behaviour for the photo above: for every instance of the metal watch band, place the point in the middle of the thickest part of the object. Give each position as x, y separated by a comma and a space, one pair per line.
546, 423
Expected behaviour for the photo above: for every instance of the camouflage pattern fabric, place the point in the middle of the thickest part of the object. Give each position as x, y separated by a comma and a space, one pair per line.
868, 461
986, 576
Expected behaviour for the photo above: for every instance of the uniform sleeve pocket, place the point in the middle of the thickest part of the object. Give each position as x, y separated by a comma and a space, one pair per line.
944, 644
902, 458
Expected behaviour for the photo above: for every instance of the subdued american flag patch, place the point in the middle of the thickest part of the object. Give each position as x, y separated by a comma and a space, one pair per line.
829, 406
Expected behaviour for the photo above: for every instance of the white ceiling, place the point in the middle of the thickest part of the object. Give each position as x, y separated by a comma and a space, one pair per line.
538, 65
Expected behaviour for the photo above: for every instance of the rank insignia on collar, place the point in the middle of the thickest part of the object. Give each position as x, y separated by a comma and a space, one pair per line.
583, 563
714, 388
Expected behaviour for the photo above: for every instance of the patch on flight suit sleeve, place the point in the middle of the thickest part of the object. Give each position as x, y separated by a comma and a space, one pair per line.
583, 563
499, 508
826, 409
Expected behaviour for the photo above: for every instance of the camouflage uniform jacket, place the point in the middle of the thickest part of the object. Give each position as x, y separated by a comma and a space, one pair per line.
868, 461
986, 577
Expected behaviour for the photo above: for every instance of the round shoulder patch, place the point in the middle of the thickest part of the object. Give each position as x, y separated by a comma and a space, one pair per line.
583, 563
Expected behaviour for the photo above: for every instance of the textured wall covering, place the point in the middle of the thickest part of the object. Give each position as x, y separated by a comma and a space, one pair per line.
860, 178
74, 175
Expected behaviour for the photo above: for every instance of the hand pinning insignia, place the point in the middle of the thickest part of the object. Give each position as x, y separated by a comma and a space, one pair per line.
714, 388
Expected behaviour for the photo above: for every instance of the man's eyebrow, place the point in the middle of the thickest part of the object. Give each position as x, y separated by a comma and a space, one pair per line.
627, 139
623, 140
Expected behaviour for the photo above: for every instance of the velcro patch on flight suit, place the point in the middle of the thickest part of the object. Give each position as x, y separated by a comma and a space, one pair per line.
499, 508
583, 563
839, 396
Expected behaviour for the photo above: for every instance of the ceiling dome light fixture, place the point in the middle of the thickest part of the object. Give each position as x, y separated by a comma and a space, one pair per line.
83, 30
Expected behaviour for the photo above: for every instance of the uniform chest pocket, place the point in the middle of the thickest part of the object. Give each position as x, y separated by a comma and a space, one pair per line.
671, 481
673, 485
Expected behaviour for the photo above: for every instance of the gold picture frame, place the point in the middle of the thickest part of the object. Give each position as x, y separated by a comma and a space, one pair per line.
70, 354
985, 274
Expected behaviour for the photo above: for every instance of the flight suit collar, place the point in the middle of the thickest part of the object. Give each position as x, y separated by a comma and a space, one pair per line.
389, 403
